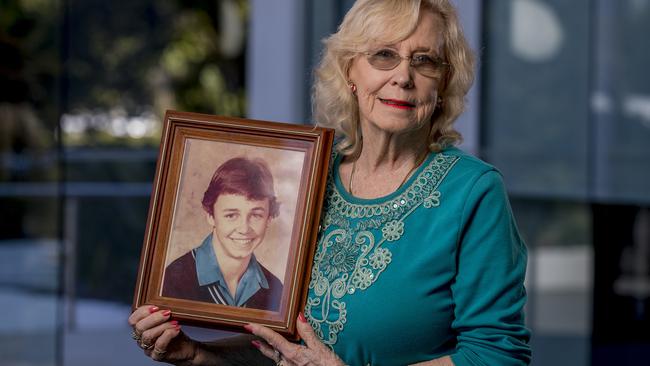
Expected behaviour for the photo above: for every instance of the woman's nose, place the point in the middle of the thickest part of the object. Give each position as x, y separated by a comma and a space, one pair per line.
403, 74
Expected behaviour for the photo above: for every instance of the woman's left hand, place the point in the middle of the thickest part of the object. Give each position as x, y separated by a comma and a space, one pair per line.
285, 353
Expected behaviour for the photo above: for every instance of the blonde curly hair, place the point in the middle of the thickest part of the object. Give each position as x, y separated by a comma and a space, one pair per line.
388, 22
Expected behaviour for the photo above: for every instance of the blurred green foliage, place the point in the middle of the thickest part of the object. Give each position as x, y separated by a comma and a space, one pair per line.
30, 58
140, 56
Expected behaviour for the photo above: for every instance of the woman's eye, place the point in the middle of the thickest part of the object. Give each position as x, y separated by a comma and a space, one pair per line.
385, 54
422, 59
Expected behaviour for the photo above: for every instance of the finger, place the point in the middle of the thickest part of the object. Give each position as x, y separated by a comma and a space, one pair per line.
265, 349
306, 332
141, 313
154, 319
290, 353
274, 339
162, 343
151, 335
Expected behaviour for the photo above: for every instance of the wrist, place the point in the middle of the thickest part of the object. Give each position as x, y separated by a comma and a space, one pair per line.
200, 356
193, 355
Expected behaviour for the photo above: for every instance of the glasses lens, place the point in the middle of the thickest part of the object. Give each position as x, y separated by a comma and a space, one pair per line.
384, 59
429, 69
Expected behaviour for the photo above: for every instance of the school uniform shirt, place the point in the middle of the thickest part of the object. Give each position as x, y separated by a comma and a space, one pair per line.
196, 276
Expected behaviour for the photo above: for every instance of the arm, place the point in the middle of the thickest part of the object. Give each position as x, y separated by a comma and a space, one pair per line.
488, 291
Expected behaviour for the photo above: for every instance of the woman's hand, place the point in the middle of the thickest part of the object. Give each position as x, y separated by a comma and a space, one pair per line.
161, 338
285, 353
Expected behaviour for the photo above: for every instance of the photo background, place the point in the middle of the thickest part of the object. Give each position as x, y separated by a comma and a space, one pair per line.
200, 159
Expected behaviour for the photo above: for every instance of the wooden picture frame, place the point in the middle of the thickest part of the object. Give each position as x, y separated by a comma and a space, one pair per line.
201, 153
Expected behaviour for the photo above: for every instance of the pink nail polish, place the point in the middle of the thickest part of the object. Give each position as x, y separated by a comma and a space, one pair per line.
166, 313
302, 318
248, 328
174, 322
256, 344
153, 309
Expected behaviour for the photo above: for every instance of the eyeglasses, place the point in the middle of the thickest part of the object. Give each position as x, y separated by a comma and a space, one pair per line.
387, 59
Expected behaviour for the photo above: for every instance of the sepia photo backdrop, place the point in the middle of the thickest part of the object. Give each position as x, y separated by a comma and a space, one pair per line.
200, 159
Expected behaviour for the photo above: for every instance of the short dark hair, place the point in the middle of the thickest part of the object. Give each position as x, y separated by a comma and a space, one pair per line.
250, 178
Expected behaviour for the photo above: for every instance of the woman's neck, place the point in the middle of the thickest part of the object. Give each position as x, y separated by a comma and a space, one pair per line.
385, 151
386, 159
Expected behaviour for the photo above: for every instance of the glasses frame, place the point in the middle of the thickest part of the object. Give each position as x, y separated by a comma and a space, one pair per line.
445, 66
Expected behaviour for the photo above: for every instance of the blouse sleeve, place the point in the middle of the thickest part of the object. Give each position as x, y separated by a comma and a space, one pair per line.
488, 291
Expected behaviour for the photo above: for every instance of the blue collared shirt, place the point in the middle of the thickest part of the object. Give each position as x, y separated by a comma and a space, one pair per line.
209, 273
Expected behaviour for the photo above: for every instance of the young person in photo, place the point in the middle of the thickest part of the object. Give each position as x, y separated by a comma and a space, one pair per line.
239, 204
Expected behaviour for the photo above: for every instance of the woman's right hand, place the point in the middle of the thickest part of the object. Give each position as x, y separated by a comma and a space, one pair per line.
160, 337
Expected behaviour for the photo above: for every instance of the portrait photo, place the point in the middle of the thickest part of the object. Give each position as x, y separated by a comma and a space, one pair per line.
232, 226
233, 220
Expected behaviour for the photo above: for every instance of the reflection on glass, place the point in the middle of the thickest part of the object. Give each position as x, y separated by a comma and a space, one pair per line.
29, 245
535, 99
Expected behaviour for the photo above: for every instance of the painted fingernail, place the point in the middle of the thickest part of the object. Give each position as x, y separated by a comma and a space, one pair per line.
153, 309
302, 318
174, 322
177, 327
248, 328
256, 344
166, 312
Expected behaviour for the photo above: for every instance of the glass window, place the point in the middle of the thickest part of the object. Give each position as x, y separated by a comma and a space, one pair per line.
621, 102
83, 89
565, 118
30, 236
535, 70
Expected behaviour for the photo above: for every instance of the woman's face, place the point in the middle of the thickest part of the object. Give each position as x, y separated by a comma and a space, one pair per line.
239, 224
401, 99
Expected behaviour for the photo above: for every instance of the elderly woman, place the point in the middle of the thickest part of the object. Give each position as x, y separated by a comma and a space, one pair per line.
419, 260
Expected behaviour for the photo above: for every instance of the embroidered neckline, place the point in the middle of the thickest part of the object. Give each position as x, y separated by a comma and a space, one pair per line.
336, 178
373, 213
354, 245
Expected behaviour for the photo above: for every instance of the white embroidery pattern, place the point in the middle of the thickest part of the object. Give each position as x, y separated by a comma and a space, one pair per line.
349, 258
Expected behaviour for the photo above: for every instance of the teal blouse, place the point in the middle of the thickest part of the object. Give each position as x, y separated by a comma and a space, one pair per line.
435, 268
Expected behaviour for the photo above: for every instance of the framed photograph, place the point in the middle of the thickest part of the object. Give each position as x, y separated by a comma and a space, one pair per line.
233, 220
